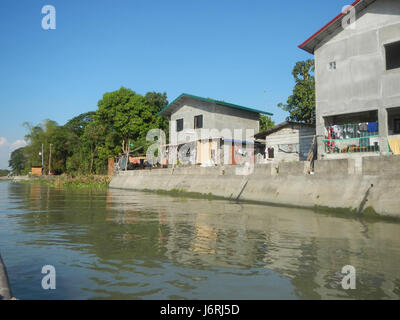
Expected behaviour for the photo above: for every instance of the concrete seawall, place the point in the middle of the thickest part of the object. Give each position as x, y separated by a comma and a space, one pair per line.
368, 185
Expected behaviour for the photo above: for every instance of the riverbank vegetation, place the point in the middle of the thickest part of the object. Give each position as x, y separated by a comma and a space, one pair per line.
4, 173
88, 182
84, 144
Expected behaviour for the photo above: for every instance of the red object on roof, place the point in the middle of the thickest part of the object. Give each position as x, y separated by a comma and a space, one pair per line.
302, 46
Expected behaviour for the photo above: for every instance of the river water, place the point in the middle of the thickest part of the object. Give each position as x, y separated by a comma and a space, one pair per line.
120, 244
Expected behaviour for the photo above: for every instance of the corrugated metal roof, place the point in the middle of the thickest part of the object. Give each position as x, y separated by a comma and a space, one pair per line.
176, 103
280, 126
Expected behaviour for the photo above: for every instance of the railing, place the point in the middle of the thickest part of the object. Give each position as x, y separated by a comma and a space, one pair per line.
352, 138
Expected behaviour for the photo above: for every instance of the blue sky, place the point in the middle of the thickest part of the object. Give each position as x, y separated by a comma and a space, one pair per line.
228, 50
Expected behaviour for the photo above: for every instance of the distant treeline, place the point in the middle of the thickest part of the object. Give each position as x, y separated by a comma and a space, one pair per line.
83, 144
4, 173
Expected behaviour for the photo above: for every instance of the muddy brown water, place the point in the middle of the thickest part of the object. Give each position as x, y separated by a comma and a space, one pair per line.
117, 244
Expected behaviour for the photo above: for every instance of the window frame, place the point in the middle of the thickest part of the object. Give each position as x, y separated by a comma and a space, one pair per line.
178, 129
386, 47
196, 126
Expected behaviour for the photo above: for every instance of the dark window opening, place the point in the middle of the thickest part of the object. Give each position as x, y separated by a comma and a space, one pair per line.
198, 122
271, 153
179, 125
393, 115
392, 55
397, 126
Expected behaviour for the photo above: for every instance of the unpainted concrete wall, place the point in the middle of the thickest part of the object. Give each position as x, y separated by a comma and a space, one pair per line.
292, 134
214, 117
335, 184
360, 81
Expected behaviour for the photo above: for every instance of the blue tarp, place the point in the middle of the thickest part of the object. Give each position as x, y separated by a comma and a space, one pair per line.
373, 127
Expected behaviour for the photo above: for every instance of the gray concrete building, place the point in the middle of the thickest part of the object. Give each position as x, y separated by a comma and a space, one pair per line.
288, 141
207, 125
357, 72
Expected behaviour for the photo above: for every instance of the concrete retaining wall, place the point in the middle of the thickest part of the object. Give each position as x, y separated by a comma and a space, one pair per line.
335, 184
388, 165
332, 167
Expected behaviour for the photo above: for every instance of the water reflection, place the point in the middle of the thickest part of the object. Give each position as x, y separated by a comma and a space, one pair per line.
127, 245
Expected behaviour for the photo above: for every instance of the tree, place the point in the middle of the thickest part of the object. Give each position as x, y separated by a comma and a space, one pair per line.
157, 102
77, 124
127, 117
17, 161
63, 142
85, 142
4, 172
301, 104
266, 123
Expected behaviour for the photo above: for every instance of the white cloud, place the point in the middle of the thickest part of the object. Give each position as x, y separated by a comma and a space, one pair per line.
17, 144
6, 148
3, 142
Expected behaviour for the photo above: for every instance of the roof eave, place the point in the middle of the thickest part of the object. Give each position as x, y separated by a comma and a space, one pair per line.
165, 111
310, 48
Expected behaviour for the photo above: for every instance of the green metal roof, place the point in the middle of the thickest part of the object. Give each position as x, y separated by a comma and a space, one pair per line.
222, 103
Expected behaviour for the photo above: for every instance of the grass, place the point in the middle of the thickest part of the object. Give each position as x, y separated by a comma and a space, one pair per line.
78, 182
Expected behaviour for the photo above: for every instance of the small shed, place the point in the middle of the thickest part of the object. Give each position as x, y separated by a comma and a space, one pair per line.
37, 171
288, 141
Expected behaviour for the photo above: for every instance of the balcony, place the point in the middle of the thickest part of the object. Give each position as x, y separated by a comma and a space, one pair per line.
352, 138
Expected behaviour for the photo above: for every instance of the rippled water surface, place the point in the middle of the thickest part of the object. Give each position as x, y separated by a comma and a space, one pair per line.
120, 244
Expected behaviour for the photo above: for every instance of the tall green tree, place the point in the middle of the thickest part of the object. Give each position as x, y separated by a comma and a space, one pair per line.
266, 123
62, 140
77, 124
84, 143
83, 154
17, 161
301, 104
127, 117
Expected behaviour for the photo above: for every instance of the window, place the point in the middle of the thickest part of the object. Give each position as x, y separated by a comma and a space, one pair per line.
179, 125
392, 55
397, 126
332, 65
271, 153
198, 122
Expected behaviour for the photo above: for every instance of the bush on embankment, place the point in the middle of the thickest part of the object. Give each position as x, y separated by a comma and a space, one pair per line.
92, 181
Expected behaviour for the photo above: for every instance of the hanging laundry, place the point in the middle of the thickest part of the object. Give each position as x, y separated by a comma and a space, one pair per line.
363, 126
336, 131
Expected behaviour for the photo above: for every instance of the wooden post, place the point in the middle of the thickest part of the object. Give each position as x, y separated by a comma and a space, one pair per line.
110, 166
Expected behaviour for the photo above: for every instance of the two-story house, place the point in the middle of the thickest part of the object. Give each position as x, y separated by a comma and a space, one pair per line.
357, 72
210, 129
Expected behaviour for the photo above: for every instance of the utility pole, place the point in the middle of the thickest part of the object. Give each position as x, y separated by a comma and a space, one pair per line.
41, 154
50, 159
